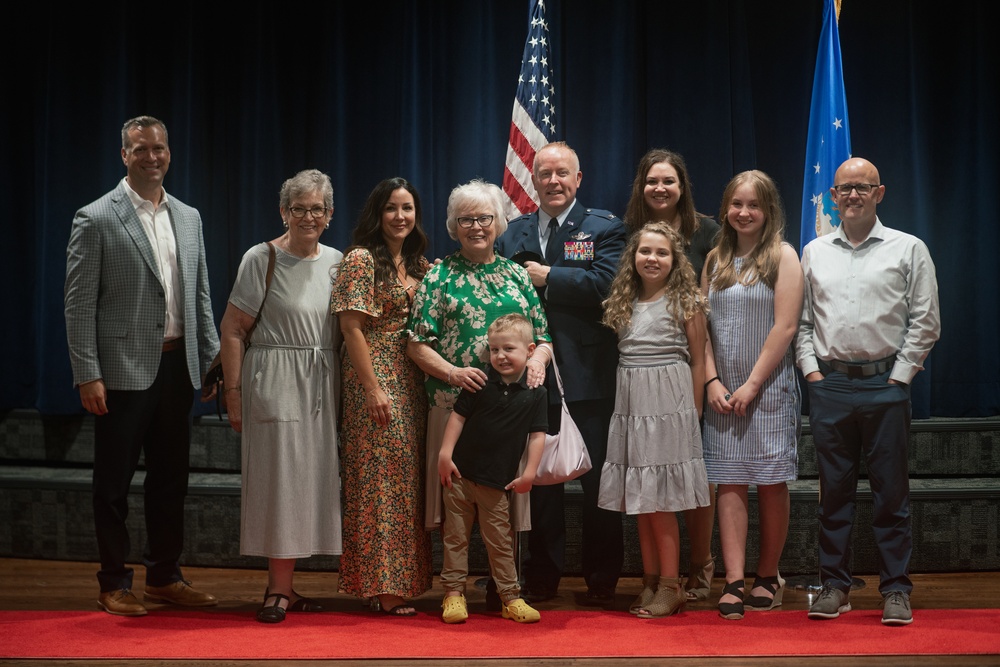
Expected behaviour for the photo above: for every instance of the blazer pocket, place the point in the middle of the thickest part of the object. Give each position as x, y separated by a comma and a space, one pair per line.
112, 328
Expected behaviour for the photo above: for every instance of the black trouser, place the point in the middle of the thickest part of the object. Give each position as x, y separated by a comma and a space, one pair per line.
157, 422
602, 545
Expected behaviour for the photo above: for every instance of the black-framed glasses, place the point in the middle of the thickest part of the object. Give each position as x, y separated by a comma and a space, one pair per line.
863, 189
483, 221
315, 211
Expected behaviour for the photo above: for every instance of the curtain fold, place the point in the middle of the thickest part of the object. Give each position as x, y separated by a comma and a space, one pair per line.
423, 90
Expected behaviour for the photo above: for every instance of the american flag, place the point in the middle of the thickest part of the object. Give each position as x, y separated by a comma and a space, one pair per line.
533, 120
829, 143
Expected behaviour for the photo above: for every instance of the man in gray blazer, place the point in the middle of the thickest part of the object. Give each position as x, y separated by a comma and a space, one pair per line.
141, 335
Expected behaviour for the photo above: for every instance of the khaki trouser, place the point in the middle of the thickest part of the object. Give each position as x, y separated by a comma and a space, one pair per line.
461, 503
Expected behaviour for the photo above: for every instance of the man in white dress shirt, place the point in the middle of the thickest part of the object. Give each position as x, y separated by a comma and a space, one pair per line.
869, 320
141, 336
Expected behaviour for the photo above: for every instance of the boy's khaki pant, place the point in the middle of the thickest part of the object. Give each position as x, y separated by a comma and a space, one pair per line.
460, 508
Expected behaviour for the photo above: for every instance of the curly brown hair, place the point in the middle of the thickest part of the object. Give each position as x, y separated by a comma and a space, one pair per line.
684, 299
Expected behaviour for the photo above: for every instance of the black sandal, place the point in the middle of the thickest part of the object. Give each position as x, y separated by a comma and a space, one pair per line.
305, 604
774, 585
272, 613
732, 611
399, 611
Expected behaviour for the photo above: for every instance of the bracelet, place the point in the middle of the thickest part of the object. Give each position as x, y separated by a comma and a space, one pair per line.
239, 389
449, 375
372, 391
711, 381
537, 361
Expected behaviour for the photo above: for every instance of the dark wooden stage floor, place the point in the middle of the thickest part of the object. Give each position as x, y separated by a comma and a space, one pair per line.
60, 585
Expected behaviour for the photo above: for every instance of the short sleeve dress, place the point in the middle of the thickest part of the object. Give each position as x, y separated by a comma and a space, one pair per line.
386, 549
654, 461
761, 447
291, 476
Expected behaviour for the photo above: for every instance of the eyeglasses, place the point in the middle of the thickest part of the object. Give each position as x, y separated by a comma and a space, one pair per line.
483, 220
315, 212
863, 189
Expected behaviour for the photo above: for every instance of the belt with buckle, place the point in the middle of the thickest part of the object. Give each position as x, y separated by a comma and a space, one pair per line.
858, 369
173, 344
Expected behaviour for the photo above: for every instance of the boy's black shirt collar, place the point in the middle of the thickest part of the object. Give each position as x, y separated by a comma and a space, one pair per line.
493, 375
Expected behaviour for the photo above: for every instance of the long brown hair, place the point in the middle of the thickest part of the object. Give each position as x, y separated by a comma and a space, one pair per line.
368, 233
684, 299
637, 214
762, 262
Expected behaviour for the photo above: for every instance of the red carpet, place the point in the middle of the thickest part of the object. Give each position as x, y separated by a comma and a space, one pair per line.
223, 635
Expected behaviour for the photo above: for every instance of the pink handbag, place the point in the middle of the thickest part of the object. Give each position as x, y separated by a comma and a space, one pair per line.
565, 456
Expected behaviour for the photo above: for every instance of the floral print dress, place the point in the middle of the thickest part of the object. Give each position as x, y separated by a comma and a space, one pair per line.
386, 549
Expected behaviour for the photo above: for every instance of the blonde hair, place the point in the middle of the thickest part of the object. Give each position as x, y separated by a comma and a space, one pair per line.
684, 299
514, 322
762, 262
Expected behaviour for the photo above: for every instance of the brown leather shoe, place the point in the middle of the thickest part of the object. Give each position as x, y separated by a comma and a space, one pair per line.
179, 592
121, 603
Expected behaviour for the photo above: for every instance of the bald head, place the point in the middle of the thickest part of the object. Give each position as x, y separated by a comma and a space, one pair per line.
857, 190
857, 170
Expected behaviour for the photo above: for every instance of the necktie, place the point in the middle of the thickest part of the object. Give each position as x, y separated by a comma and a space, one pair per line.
551, 247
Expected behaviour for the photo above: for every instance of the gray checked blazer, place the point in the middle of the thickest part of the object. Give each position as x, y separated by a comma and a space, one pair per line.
114, 300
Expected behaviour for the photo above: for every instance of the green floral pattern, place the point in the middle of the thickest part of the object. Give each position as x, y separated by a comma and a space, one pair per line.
455, 305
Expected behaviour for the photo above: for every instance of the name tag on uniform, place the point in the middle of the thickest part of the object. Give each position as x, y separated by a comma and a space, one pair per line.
578, 250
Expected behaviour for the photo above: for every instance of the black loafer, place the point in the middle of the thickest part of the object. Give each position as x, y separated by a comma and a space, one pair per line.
537, 594
599, 597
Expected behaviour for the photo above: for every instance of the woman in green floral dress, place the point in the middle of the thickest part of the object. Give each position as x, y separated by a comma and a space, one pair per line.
457, 301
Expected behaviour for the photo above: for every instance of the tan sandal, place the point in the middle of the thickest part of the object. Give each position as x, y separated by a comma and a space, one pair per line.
668, 600
699, 582
649, 583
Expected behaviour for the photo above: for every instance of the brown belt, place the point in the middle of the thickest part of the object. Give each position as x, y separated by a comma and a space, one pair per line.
173, 344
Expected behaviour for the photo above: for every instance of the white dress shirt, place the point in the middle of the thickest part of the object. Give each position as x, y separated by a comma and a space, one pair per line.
869, 302
160, 231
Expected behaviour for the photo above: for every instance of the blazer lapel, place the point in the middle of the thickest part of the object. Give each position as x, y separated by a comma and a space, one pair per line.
184, 242
130, 221
529, 236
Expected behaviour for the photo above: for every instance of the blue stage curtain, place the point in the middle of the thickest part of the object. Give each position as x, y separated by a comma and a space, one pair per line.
424, 90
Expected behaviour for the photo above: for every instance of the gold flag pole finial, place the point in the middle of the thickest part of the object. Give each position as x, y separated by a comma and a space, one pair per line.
837, 4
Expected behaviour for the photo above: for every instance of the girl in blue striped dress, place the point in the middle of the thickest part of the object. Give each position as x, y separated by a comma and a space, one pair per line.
754, 285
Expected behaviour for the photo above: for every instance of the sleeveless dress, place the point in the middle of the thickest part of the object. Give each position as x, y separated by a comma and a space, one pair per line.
761, 447
386, 549
654, 461
291, 477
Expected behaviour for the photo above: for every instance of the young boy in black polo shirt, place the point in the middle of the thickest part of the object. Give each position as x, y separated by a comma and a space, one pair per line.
480, 452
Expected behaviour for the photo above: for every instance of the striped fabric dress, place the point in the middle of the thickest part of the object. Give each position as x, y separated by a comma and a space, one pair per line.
761, 447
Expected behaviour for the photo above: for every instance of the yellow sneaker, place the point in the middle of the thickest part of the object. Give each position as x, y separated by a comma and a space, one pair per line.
455, 609
520, 611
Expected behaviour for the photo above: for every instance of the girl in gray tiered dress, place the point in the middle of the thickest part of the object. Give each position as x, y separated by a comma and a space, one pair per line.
754, 286
654, 462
